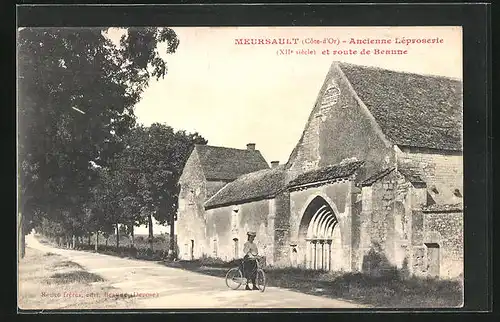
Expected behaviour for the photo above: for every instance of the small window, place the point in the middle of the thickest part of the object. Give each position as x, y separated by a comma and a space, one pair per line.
234, 219
457, 193
215, 247
191, 197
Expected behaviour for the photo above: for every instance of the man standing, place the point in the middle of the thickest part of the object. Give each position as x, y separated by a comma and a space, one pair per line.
250, 260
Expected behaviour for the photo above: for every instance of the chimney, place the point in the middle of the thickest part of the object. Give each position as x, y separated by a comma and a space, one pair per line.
251, 146
274, 164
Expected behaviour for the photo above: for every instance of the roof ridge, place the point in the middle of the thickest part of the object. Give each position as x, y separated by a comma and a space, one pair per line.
336, 171
340, 63
215, 194
225, 147
259, 171
340, 164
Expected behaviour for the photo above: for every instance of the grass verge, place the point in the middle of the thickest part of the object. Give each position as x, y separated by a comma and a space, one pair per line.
383, 292
49, 281
391, 291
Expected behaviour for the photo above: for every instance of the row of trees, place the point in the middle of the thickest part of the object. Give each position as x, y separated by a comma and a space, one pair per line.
85, 166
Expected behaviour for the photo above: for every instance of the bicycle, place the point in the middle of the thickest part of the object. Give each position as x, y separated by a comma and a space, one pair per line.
235, 277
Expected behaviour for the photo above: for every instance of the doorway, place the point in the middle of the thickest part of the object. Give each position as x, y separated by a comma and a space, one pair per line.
320, 236
433, 259
294, 256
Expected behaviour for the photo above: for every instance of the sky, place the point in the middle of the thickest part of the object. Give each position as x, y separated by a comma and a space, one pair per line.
238, 94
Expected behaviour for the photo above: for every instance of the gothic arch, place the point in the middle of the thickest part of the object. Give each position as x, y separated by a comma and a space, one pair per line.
317, 230
328, 200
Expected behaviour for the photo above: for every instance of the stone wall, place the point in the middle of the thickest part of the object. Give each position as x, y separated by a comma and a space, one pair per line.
190, 225
385, 222
227, 229
337, 195
340, 128
440, 232
382, 225
441, 170
281, 230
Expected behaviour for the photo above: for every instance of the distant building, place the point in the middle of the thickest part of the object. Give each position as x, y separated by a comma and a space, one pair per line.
374, 182
207, 170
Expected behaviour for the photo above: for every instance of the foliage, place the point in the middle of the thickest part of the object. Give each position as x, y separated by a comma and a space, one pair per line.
85, 166
153, 160
61, 69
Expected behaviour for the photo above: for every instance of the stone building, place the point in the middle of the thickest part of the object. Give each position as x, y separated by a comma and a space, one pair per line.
374, 182
207, 170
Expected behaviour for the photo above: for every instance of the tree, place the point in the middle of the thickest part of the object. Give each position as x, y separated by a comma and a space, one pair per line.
61, 72
107, 195
155, 157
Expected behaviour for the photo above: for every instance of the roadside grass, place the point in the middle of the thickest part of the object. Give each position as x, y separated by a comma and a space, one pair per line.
140, 250
49, 281
75, 277
389, 291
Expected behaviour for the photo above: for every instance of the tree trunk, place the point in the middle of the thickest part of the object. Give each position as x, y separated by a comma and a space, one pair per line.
172, 240
96, 240
107, 238
21, 238
73, 241
90, 235
132, 235
117, 236
150, 224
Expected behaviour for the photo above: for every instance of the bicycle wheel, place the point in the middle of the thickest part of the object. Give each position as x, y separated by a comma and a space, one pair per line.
234, 278
261, 280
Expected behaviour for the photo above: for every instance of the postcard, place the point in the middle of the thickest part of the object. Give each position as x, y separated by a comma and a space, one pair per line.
240, 167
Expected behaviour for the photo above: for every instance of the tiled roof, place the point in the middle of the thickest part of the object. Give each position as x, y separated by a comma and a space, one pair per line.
220, 163
410, 175
443, 208
412, 110
377, 176
341, 170
250, 187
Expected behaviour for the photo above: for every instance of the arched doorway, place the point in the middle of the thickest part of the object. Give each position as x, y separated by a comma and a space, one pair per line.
320, 236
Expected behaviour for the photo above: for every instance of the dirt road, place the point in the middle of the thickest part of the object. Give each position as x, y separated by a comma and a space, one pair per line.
160, 287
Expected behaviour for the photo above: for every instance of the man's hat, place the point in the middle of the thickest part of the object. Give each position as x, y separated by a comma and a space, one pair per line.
252, 233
